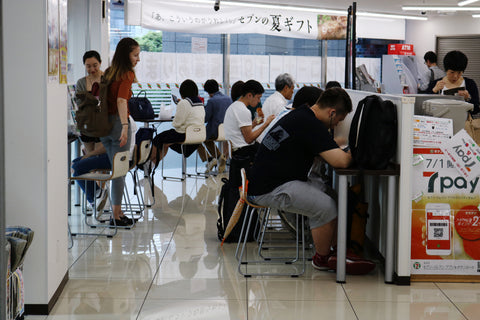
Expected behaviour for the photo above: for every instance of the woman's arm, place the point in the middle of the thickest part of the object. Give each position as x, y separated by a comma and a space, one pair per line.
123, 114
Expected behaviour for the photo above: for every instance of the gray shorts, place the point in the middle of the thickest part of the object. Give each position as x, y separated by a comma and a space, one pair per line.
308, 198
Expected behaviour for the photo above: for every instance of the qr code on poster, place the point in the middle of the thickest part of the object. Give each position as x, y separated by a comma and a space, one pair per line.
438, 232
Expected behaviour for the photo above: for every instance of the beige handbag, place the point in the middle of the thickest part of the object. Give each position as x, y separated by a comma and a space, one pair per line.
472, 126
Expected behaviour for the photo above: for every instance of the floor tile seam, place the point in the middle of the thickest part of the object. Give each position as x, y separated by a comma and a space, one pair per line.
196, 299
451, 301
158, 267
82, 254
96, 299
349, 301
298, 300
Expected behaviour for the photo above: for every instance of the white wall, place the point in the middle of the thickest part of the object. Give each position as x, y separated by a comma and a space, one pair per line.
35, 147
423, 34
86, 31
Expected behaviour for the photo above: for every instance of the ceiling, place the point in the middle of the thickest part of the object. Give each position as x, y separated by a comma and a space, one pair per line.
380, 6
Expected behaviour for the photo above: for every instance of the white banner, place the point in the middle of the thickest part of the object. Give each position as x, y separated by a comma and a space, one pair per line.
182, 17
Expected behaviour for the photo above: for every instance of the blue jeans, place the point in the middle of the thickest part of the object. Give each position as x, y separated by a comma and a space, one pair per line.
81, 166
112, 145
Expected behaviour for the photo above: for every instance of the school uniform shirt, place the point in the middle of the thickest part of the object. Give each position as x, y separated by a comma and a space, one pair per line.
288, 150
274, 104
236, 117
187, 115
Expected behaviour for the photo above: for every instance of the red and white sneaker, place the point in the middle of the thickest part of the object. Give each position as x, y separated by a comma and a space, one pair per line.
354, 264
320, 262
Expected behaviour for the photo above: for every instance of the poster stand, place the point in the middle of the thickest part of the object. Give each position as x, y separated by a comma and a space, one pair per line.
350, 52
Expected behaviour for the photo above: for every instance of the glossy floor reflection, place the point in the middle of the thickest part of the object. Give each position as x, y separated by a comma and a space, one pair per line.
171, 266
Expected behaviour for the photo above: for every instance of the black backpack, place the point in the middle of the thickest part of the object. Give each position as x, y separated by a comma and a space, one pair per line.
229, 196
92, 114
143, 134
373, 133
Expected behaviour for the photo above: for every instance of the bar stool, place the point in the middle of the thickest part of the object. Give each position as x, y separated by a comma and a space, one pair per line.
220, 139
120, 168
194, 134
143, 154
265, 212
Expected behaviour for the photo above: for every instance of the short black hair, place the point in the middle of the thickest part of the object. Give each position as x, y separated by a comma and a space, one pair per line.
91, 54
188, 89
236, 91
211, 86
430, 56
455, 61
332, 84
252, 86
306, 95
336, 98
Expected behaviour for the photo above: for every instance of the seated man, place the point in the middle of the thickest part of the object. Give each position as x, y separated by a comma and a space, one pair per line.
214, 114
279, 175
239, 128
277, 102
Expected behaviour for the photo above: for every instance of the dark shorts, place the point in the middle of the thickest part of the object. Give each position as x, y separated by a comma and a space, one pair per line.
87, 139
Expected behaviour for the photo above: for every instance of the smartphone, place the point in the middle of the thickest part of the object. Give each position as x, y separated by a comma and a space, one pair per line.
439, 241
174, 98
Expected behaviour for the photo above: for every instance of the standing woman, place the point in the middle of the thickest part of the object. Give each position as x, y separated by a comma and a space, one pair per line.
121, 75
92, 62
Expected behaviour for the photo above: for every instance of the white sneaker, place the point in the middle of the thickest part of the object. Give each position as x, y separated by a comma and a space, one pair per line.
211, 164
100, 202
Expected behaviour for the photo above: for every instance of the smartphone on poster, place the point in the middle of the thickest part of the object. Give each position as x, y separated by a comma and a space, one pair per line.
439, 241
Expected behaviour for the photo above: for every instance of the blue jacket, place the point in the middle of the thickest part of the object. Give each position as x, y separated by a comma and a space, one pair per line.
215, 112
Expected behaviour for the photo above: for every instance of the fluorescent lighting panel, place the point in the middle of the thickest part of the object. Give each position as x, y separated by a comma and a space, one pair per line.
476, 15
437, 8
308, 9
465, 2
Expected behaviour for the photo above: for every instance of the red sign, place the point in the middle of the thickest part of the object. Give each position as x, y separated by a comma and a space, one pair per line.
401, 49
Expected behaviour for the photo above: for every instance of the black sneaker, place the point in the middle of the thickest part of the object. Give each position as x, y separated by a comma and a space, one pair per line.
119, 223
127, 220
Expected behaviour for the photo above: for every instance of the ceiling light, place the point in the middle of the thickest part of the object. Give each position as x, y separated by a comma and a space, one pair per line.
308, 9
391, 16
438, 8
465, 2
476, 15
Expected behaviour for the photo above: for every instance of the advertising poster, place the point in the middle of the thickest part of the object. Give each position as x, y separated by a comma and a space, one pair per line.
63, 12
445, 213
53, 41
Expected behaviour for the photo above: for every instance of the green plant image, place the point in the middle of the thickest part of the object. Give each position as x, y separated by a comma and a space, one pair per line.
151, 41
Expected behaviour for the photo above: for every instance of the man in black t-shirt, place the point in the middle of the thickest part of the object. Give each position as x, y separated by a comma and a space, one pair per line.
279, 177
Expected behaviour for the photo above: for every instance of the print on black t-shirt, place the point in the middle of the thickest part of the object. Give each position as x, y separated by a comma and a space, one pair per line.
274, 137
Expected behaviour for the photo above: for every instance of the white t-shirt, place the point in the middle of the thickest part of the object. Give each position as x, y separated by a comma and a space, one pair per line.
236, 117
274, 104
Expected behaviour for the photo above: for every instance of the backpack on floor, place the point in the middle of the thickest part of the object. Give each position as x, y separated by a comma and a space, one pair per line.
227, 200
143, 134
373, 133
92, 114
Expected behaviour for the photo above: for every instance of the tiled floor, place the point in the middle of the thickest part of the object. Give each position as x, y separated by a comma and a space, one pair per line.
171, 266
